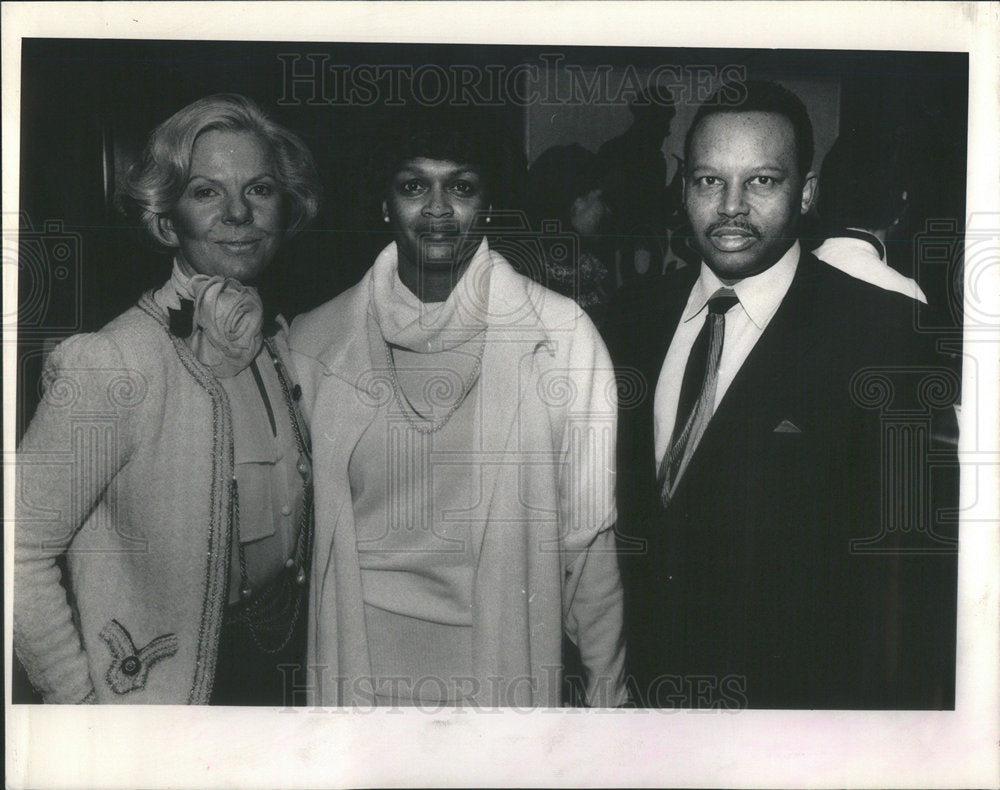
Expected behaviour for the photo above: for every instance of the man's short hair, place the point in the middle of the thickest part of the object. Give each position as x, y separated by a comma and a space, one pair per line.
759, 96
862, 181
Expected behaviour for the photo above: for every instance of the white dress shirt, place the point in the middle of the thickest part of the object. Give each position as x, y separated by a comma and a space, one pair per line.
759, 297
861, 260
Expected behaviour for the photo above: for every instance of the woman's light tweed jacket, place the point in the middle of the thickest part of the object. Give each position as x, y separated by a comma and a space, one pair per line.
545, 553
127, 468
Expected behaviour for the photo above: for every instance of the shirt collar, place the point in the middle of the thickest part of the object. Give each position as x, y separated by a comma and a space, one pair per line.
759, 295
851, 236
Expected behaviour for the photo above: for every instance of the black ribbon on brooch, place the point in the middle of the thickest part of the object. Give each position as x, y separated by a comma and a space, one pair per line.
182, 321
269, 326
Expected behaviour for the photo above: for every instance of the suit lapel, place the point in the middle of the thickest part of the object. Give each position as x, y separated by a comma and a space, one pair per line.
766, 374
659, 317
662, 324
789, 336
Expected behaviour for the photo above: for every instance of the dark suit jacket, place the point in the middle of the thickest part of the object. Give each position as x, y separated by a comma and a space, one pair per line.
800, 563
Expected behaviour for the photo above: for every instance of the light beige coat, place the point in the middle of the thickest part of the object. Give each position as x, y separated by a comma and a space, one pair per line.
545, 552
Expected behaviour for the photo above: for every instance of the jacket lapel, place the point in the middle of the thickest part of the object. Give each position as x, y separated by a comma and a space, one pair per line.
640, 347
789, 336
507, 374
349, 392
659, 315
767, 371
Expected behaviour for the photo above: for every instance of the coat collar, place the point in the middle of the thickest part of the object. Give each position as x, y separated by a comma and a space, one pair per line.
513, 316
790, 334
353, 390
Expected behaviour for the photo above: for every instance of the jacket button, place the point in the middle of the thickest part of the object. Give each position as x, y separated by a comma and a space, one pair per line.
303, 467
131, 665
296, 392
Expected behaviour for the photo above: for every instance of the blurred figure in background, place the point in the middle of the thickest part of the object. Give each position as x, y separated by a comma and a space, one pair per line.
564, 185
862, 197
635, 173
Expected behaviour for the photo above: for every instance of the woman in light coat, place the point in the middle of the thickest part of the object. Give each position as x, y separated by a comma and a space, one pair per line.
167, 463
463, 424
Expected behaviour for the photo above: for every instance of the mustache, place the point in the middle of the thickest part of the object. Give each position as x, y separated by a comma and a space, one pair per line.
731, 224
444, 226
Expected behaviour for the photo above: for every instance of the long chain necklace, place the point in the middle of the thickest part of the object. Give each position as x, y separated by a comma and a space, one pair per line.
279, 611
432, 425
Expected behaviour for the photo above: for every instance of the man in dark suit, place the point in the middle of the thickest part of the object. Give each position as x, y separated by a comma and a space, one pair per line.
777, 531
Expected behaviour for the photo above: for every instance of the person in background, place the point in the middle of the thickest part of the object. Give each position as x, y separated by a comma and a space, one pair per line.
634, 171
564, 186
775, 482
168, 463
862, 197
463, 424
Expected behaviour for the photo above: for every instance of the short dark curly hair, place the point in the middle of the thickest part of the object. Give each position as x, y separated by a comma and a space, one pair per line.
759, 96
155, 183
472, 136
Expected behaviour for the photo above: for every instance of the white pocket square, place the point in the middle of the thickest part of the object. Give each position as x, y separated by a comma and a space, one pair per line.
787, 426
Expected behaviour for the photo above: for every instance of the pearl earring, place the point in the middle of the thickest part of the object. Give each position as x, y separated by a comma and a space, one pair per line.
385, 218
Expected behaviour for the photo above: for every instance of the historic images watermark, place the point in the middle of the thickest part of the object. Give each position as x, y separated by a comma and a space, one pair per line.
49, 262
315, 79
667, 693
918, 446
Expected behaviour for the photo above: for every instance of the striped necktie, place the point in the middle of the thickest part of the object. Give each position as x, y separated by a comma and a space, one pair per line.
697, 397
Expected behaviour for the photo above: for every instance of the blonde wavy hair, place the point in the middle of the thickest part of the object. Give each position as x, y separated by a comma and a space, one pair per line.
156, 181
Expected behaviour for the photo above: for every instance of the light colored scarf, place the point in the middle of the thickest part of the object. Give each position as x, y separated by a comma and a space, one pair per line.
422, 327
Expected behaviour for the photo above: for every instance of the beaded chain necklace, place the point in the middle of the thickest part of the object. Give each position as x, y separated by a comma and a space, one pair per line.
432, 425
271, 619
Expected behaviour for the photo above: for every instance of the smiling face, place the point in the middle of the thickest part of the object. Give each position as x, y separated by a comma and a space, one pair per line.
229, 220
432, 205
743, 191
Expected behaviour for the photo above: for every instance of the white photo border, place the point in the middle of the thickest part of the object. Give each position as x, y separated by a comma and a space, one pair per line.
133, 746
